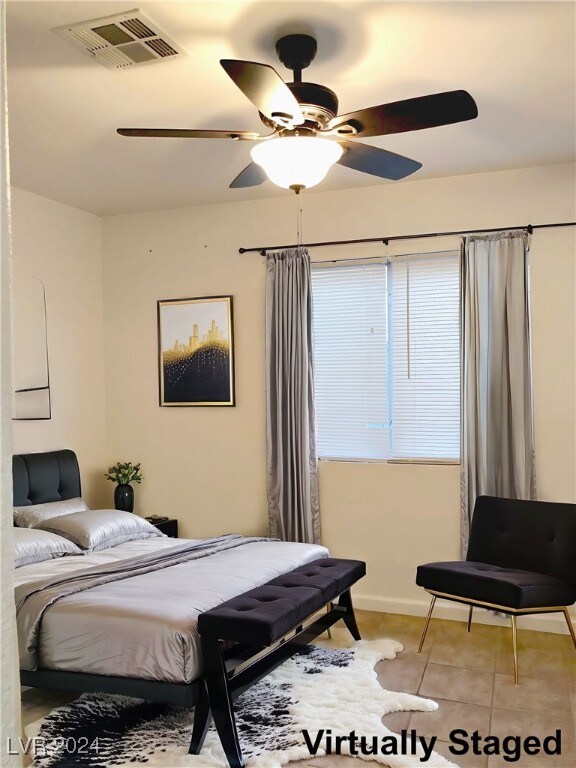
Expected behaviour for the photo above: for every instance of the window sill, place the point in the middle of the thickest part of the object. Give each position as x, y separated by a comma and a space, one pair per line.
432, 462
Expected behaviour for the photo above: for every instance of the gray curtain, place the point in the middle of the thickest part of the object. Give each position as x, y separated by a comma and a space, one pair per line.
292, 482
497, 456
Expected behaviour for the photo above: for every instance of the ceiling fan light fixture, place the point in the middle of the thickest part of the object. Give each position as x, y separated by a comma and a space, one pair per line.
296, 161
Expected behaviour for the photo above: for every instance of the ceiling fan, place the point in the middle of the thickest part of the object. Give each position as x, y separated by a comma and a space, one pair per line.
307, 134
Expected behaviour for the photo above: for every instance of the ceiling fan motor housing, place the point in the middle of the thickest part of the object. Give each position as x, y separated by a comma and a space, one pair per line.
318, 103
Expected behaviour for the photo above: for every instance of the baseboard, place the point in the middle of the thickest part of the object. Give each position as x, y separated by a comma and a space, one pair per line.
445, 609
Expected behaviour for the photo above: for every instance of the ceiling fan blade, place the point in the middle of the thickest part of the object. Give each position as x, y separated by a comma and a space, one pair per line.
251, 176
410, 114
266, 90
378, 162
184, 133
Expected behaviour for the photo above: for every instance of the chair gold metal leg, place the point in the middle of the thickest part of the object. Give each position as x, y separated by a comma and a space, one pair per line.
329, 631
470, 617
570, 626
514, 643
426, 625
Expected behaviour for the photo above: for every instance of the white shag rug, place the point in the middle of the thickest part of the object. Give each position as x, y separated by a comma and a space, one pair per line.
320, 689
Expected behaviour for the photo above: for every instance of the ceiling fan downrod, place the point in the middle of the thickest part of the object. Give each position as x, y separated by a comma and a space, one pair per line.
296, 52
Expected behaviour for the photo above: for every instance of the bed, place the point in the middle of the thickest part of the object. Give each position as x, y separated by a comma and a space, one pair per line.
124, 619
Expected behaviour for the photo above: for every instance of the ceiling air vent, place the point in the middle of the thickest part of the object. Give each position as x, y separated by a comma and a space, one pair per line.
121, 41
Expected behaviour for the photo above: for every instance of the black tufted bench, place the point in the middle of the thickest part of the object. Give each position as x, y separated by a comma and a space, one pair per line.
244, 638
521, 559
266, 613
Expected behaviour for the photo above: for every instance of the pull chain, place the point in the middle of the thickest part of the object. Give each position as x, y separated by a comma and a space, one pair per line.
299, 199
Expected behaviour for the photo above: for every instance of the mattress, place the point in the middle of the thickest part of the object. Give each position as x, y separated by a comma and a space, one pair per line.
146, 626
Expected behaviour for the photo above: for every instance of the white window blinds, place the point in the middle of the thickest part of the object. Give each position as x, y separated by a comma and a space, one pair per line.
387, 363
425, 394
350, 358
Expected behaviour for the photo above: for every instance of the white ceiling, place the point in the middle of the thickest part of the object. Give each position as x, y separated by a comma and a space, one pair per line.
517, 59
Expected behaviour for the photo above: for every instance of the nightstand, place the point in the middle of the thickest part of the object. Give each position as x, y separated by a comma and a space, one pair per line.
169, 527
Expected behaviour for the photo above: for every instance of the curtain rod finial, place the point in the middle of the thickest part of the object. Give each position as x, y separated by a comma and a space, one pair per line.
530, 229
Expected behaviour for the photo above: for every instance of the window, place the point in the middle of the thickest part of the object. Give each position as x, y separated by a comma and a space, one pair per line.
387, 358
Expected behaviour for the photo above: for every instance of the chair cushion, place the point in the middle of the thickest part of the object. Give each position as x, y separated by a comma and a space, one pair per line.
507, 587
264, 614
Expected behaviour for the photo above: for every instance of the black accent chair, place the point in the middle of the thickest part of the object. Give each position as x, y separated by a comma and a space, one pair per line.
521, 560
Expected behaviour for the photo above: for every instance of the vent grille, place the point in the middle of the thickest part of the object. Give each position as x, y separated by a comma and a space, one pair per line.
121, 41
112, 34
137, 28
161, 47
138, 53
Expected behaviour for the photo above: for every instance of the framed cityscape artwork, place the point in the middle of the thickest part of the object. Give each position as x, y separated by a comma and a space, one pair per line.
196, 351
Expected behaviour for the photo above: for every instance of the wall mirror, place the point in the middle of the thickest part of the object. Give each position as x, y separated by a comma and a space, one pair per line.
30, 362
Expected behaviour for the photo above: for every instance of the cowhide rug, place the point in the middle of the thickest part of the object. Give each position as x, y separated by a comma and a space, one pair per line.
319, 689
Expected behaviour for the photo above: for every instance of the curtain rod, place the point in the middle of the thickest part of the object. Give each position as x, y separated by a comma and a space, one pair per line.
385, 240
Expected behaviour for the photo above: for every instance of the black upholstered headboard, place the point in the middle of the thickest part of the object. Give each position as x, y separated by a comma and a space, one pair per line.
42, 477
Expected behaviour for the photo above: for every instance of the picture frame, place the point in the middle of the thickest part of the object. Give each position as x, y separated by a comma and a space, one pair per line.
196, 352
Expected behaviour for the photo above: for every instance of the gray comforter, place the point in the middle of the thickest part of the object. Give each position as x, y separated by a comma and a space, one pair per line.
136, 616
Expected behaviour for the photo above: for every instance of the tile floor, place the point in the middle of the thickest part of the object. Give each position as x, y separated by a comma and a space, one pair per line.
469, 675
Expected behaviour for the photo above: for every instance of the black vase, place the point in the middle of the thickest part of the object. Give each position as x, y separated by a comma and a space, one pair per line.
124, 498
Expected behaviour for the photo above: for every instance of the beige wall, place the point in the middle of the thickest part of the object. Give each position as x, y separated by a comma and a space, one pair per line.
61, 246
206, 466
10, 688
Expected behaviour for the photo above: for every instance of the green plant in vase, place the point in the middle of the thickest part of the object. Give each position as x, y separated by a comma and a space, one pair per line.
124, 473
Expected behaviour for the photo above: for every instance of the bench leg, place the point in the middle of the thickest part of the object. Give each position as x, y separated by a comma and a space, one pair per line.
349, 618
202, 720
220, 701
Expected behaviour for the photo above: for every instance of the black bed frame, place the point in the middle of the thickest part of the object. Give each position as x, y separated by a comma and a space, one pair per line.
43, 477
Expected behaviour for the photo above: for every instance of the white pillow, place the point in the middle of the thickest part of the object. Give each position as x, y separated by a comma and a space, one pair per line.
34, 546
32, 515
98, 529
